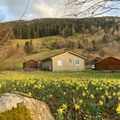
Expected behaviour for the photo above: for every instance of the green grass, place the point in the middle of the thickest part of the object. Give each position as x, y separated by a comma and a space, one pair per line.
83, 75
57, 38
88, 36
18, 113
39, 40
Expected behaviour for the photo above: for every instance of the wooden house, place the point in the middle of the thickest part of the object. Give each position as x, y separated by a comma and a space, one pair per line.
30, 64
66, 61
109, 63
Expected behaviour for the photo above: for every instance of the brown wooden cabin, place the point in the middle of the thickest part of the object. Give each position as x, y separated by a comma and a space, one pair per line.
109, 63
30, 64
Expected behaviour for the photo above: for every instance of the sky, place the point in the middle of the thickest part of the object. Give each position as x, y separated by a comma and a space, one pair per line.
13, 9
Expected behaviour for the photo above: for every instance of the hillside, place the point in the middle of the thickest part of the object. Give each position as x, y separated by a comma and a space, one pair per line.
88, 37
61, 26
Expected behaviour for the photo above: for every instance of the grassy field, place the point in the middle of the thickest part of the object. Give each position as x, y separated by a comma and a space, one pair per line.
57, 38
86, 95
83, 75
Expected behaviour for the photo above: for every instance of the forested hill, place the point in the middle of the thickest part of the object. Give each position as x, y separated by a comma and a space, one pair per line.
61, 26
37, 39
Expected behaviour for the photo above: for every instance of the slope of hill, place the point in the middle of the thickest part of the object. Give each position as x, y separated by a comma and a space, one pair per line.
13, 55
88, 37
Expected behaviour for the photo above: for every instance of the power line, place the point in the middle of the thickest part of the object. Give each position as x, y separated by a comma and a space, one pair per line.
17, 21
25, 10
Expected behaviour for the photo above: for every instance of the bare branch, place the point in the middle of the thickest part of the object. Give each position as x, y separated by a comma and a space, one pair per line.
90, 8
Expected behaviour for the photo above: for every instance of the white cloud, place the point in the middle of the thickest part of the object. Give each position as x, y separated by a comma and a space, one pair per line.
13, 9
36, 9
42, 9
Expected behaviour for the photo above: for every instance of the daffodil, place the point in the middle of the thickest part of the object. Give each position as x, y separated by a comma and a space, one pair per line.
102, 96
64, 106
118, 109
50, 95
101, 103
106, 93
109, 97
114, 94
119, 98
77, 107
92, 96
101, 88
80, 101
83, 94
60, 110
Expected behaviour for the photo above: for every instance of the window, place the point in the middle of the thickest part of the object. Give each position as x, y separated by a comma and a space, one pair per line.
77, 62
70, 61
60, 62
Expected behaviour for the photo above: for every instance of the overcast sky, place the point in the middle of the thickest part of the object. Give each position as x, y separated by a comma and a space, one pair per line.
13, 9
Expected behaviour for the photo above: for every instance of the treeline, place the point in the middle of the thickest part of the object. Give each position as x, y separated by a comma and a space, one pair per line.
61, 26
64, 27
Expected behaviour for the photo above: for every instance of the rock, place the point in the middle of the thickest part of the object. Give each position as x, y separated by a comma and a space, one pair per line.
38, 109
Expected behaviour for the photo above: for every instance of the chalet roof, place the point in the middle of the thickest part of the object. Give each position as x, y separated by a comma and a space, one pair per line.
73, 53
107, 58
30, 60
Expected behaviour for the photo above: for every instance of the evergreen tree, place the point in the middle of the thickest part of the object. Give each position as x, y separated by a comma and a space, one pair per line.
79, 45
105, 38
94, 45
28, 48
31, 46
64, 27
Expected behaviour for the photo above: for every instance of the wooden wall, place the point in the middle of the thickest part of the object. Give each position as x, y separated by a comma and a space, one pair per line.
31, 64
109, 63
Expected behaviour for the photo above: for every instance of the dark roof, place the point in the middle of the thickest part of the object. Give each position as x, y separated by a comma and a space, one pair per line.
108, 58
97, 58
73, 53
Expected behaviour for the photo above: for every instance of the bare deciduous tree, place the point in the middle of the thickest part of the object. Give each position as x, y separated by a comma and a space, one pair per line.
92, 8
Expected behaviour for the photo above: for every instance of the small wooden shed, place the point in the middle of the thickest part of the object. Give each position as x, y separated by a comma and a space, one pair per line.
109, 63
30, 64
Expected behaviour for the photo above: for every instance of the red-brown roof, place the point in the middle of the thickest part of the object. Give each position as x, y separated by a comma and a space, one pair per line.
30, 60
108, 58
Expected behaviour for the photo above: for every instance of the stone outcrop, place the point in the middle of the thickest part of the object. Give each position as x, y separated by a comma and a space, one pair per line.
38, 109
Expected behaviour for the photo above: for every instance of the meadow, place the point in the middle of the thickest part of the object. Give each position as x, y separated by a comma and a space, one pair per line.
86, 95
